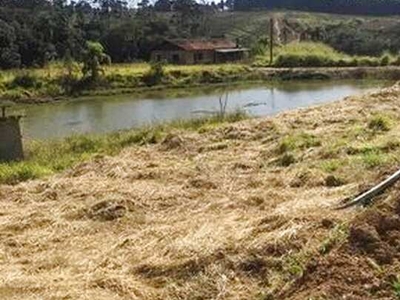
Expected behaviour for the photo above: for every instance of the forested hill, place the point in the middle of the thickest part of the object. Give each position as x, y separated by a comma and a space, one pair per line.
374, 7
35, 32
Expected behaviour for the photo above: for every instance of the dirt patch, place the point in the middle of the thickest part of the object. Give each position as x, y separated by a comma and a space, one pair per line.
172, 141
334, 181
201, 183
365, 266
106, 211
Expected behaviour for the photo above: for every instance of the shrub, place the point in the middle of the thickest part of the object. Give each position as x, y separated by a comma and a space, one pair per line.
155, 75
396, 62
334, 181
385, 60
210, 77
380, 123
286, 160
368, 62
342, 63
288, 61
353, 62
26, 80
94, 57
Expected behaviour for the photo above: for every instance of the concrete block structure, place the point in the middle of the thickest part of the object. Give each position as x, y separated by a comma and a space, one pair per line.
10, 139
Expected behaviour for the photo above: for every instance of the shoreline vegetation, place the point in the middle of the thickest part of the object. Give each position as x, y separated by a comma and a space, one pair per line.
44, 158
299, 61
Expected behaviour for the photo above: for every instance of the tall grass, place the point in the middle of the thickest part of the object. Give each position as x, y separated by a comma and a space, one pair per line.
314, 54
48, 157
57, 80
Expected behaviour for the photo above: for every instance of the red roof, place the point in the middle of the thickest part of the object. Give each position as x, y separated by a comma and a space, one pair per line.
209, 44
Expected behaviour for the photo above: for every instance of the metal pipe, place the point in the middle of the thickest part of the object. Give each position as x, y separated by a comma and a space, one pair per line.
375, 191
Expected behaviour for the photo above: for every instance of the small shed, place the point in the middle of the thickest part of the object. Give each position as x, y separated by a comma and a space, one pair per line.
200, 51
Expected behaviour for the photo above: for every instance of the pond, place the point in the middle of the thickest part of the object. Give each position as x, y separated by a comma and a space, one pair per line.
112, 113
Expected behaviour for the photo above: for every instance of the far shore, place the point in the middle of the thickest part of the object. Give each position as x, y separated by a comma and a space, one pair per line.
213, 76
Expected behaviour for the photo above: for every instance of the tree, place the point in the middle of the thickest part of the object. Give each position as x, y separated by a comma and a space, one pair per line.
93, 59
9, 56
163, 5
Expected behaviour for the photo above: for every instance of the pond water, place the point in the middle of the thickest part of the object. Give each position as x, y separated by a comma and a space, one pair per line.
112, 113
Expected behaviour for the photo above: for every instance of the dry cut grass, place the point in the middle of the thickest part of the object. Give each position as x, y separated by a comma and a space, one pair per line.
232, 212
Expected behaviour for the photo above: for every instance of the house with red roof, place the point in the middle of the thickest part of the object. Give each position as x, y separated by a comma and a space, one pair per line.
198, 51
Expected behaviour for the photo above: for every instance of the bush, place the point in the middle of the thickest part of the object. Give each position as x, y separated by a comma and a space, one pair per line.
155, 75
308, 60
368, 62
315, 61
210, 77
353, 62
287, 61
286, 160
385, 60
26, 80
380, 123
396, 62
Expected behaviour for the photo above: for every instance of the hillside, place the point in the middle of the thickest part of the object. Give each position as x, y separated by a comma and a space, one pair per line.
37, 33
239, 211
361, 35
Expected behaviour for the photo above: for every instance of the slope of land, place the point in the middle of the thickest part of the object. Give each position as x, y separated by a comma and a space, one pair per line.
356, 35
239, 211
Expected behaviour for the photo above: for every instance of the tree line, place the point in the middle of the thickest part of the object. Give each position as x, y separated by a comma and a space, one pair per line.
374, 7
35, 32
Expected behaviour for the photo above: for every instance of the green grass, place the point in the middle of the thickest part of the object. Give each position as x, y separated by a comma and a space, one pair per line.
331, 165
380, 123
55, 80
300, 141
396, 288
336, 236
48, 157
372, 159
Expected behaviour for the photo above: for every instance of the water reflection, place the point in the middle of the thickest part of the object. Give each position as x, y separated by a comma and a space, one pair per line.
113, 113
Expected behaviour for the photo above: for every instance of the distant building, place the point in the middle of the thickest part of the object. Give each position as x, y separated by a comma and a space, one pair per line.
200, 51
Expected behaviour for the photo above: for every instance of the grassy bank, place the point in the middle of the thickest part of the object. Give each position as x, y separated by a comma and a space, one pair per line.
390, 73
238, 210
305, 60
49, 157
57, 80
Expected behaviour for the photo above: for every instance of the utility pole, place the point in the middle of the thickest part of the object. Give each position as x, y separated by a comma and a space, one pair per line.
271, 41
